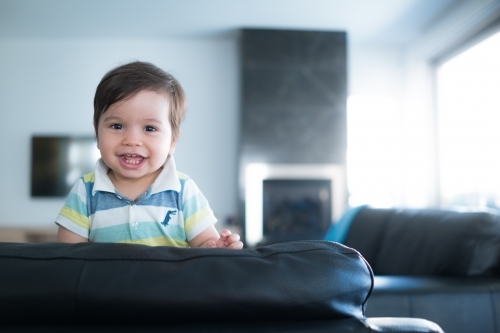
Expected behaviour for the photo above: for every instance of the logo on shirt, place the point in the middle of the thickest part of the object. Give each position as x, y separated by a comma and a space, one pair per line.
168, 217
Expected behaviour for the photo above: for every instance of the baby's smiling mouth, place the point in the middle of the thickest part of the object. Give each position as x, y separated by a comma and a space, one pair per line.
132, 158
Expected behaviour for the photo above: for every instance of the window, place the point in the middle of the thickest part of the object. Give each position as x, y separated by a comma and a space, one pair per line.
468, 124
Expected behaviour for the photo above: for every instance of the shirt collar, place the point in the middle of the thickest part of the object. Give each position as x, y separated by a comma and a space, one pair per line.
166, 180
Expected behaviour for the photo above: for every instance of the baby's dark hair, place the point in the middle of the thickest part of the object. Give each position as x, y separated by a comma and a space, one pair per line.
125, 81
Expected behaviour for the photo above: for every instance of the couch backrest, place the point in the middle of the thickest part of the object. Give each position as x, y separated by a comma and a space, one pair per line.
427, 241
97, 282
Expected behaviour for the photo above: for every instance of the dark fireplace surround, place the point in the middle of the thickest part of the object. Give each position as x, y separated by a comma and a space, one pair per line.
294, 87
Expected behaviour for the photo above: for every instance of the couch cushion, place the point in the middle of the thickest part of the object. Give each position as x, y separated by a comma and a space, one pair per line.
427, 241
97, 282
457, 304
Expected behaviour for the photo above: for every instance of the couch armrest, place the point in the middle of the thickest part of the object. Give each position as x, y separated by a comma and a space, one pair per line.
400, 325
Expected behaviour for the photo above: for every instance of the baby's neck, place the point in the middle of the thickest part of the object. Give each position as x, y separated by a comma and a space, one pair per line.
132, 188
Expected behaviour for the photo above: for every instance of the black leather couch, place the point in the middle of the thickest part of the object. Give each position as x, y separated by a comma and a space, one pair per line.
434, 264
307, 286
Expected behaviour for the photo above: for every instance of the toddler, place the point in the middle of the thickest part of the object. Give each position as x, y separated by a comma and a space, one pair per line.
135, 194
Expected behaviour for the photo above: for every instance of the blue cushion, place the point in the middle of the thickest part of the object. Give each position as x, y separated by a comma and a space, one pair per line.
338, 231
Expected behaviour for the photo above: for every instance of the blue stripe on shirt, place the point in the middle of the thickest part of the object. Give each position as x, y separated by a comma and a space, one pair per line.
144, 230
194, 204
162, 199
74, 201
104, 201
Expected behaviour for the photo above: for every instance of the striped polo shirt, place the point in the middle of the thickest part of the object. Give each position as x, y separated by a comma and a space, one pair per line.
172, 212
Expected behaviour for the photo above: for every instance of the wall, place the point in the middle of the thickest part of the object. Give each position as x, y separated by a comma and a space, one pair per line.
47, 87
375, 70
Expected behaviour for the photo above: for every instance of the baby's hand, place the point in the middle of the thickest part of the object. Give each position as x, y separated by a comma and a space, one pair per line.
227, 240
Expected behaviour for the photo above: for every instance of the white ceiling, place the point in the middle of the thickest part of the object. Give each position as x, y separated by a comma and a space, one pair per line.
375, 21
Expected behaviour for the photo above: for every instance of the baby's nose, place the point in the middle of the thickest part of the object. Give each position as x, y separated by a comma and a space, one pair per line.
132, 138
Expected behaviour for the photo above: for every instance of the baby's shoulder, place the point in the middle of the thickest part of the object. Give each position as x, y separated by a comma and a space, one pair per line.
182, 176
89, 177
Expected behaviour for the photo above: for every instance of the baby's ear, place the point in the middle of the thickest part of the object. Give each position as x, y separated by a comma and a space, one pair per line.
172, 148
174, 143
95, 133
97, 143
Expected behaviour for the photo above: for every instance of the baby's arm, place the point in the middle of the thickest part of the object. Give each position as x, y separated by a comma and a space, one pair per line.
211, 238
66, 236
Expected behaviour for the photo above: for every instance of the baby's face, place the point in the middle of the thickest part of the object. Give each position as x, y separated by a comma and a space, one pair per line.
135, 136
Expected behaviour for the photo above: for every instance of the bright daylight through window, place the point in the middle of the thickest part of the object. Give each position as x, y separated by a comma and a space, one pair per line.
468, 115
373, 151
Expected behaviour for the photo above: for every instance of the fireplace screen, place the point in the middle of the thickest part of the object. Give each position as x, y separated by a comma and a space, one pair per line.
296, 208
285, 202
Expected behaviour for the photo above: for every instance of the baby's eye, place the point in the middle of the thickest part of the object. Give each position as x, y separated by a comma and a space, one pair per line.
149, 129
116, 126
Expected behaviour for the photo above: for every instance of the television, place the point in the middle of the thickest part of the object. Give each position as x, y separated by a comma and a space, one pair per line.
58, 161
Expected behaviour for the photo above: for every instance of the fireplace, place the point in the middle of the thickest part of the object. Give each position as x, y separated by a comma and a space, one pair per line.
286, 202
293, 132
